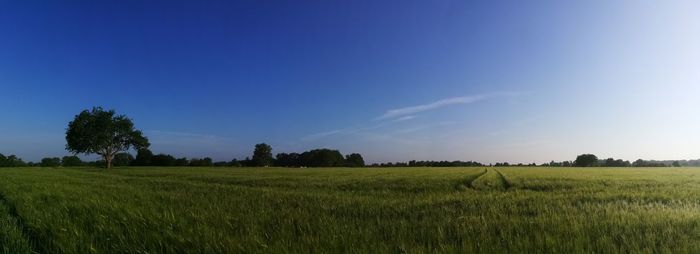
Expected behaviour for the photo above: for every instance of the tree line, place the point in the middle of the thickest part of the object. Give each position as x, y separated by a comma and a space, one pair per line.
583, 160
590, 160
414, 163
111, 136
262, 157
103, 132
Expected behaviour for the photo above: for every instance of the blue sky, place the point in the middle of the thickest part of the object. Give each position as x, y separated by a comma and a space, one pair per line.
518, 81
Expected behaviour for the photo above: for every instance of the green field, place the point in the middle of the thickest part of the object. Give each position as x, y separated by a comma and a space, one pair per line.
398, 210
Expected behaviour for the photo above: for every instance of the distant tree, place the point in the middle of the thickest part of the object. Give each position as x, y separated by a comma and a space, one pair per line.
676, 164
622, 163
643, 163
262, 155
163, 160
97, 164
221, 164
555, 164
71, 161
235, 163
247, 162
104, 133
322, 158
610, 162
356, 160
122, 159
3, 161
182, 162
586, 160
206, 162
11, 161
143, 157
50, 162
282, 160
638, 163
287, 160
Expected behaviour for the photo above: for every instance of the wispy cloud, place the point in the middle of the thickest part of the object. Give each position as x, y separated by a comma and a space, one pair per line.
324, 134
425, 127
346, 131
404, 118
402, 112
400, 115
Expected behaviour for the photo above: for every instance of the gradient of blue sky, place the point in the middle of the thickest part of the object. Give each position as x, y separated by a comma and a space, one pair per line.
519, 81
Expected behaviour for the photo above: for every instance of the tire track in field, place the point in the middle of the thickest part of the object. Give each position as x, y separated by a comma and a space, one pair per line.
491, 180
467, 183
27, 233
504, 180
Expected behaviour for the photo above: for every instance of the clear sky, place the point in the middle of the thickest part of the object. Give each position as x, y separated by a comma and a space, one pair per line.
518, 81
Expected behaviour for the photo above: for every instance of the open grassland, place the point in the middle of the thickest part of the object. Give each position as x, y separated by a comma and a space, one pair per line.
413, 210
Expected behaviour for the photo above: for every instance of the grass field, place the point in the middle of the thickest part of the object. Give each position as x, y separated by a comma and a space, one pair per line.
398, 210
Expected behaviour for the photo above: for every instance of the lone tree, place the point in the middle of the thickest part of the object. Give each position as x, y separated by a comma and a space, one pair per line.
143, 157
103, 133
322, 158
71, 161
354, 160
262, 155
586, 160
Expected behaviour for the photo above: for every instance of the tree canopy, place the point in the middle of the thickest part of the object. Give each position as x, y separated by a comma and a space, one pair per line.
354, 160
143, 157
586, 160
71, 161
50, 162
322, 158
103, 133
122, 159
11, 161
262, 155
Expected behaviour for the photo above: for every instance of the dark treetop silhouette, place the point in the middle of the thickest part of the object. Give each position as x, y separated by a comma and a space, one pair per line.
103, 133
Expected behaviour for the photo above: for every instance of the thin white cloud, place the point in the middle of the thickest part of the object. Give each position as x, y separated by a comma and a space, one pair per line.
402, 112
346, 131
323, 134
425, 127
350, 130
404, 118
396, 116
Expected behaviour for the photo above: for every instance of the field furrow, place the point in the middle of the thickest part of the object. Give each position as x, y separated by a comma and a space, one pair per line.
468, 182
491, 180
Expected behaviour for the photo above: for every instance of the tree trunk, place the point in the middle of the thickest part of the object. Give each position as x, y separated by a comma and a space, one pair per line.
108, 160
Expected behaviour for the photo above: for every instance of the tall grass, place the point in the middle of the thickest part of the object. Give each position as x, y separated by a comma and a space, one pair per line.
11, 237
415, 210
